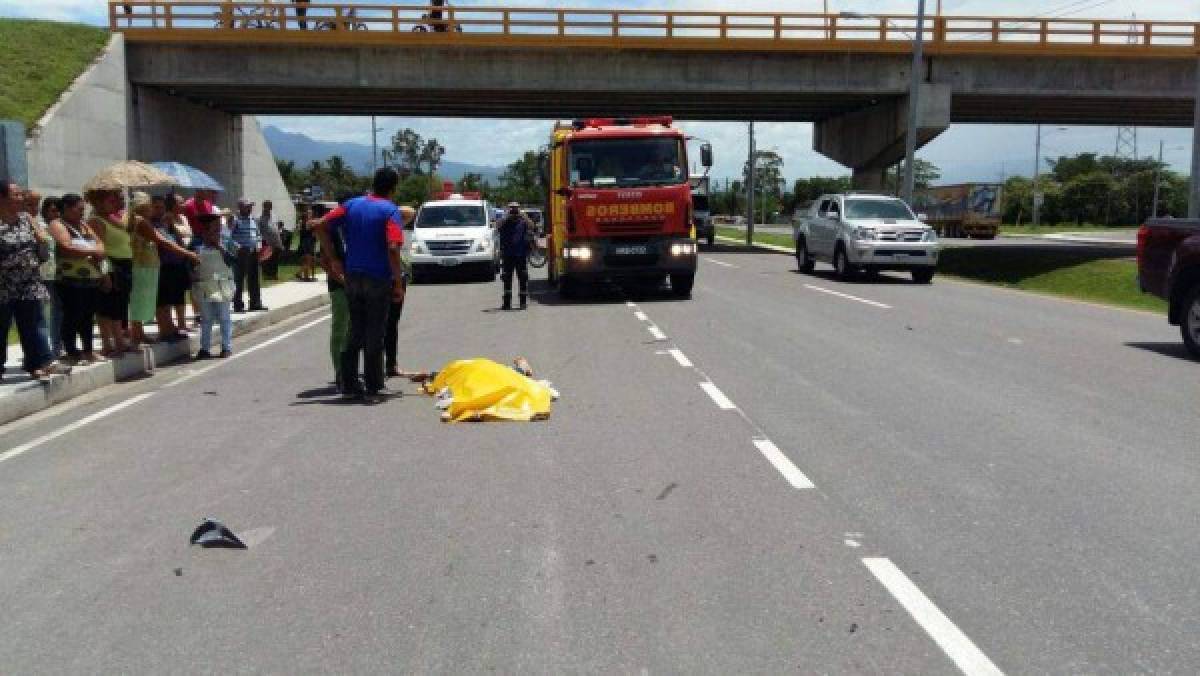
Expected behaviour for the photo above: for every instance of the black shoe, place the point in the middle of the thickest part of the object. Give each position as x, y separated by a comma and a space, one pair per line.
226, 354
524, 304
202, 355
258, 308
352, 389
381, 395
238, 309
392, 372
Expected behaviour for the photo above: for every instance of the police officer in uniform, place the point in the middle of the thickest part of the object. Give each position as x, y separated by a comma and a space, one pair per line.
516, 233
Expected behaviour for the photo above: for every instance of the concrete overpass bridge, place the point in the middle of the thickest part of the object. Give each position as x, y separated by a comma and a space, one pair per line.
849, 76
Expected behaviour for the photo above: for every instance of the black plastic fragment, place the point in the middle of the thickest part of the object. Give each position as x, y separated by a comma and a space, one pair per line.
213, 533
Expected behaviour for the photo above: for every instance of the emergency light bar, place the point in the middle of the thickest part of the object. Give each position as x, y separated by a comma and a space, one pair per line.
663, 120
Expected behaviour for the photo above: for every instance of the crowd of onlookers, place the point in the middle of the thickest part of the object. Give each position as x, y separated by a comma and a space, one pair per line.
72, 264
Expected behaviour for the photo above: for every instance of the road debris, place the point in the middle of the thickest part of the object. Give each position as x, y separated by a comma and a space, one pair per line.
213, 533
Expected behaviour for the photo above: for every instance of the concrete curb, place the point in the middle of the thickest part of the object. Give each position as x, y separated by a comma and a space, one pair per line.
30, 397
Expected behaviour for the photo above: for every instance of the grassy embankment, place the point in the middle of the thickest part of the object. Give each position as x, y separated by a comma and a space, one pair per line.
39, 60
1081, 275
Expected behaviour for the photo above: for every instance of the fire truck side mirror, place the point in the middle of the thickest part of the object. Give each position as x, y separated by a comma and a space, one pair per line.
706, 155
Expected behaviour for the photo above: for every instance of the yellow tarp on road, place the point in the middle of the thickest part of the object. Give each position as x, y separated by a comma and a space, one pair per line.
484, 390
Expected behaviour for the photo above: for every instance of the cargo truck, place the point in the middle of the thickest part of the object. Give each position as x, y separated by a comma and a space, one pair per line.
965, 210
620, 205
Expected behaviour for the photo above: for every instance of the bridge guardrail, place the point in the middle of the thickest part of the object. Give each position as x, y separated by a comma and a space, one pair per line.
356, 23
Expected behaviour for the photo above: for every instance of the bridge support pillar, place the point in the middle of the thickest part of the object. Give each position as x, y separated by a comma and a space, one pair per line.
871, 140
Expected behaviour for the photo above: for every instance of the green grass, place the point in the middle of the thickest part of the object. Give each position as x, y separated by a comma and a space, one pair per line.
1060, 272
759, 237
39, 60
1082, 276
1058, 228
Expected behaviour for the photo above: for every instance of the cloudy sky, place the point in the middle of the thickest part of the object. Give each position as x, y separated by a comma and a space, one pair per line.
996, 150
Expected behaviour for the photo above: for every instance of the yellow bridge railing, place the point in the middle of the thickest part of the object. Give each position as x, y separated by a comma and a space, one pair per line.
343, 24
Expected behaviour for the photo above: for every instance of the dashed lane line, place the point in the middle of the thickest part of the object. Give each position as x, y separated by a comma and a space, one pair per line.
957, 646
721, 263
641, 316
847, 296
681, 358
67, 429
656, 332
789, 471
723, 402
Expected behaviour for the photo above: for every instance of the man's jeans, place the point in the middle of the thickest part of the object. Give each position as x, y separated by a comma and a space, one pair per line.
368, 300
31, 327
246, 272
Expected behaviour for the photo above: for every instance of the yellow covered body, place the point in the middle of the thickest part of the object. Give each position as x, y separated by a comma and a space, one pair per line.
484, 390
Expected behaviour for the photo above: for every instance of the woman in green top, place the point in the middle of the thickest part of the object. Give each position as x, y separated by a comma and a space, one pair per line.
108, 222
146, 241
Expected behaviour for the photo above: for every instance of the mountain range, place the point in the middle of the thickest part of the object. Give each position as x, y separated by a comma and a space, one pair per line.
303, 150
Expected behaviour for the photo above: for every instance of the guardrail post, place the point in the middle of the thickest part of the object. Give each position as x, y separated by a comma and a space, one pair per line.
883, 26
995, 30
670, 25
1148, 33
832, 30
1095, 32
616, 20
724, 25
1044, 32
506, 21
169, 16
562, 22
778, 27
395, 19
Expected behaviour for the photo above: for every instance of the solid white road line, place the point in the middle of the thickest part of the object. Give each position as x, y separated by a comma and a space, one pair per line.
680, 357
721, 263
656, 332
718, 397
250, 350
848, 296
641, 316
949, 638
66, 429
789, 471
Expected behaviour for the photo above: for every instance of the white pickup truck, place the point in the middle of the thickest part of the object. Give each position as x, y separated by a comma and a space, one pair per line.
454, 234
857, 233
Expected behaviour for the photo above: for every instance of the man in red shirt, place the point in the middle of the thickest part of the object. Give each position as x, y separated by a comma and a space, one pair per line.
199, 204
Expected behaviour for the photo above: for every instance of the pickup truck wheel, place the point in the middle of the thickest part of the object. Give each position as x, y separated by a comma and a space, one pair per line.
841, 263
923, 275
1190, 321
682, 283
804, 260
712, 240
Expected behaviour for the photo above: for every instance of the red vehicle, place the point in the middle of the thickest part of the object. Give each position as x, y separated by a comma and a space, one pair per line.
620, 203
1168, 255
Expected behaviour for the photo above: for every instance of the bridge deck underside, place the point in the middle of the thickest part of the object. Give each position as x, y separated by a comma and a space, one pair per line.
689, 105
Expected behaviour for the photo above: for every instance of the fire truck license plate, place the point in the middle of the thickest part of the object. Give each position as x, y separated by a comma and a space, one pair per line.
631, 250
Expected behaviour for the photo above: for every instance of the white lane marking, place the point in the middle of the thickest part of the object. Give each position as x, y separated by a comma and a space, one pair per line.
641, 316
66, 429
848, 296
969, 659
789, 471
718, 396
721, 263
656, 332
680, 357
630, 303
852, 543
250, 350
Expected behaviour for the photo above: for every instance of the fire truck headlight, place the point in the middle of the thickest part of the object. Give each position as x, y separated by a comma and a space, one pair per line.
579, 253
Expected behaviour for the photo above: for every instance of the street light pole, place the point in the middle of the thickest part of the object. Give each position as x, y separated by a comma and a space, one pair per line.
910, 139
750, 191
1037, 174
1157, 173
374, 146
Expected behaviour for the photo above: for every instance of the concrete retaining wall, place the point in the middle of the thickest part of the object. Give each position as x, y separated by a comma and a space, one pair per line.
103, 119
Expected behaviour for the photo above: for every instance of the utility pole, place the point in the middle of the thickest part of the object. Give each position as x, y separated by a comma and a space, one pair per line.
750, 191
1157, 172
374, 146
1037, 174
910, 139
1194, 195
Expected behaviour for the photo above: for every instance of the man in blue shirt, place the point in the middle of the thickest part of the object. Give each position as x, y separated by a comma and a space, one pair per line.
372, 230
516, 232
245, 232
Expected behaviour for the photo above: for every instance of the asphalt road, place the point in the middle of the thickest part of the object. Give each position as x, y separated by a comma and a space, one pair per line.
786, 473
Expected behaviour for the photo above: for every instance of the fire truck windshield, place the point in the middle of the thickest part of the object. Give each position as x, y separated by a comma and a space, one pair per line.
626, 162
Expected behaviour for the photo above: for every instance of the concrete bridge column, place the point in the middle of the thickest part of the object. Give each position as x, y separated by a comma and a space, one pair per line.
872, 139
